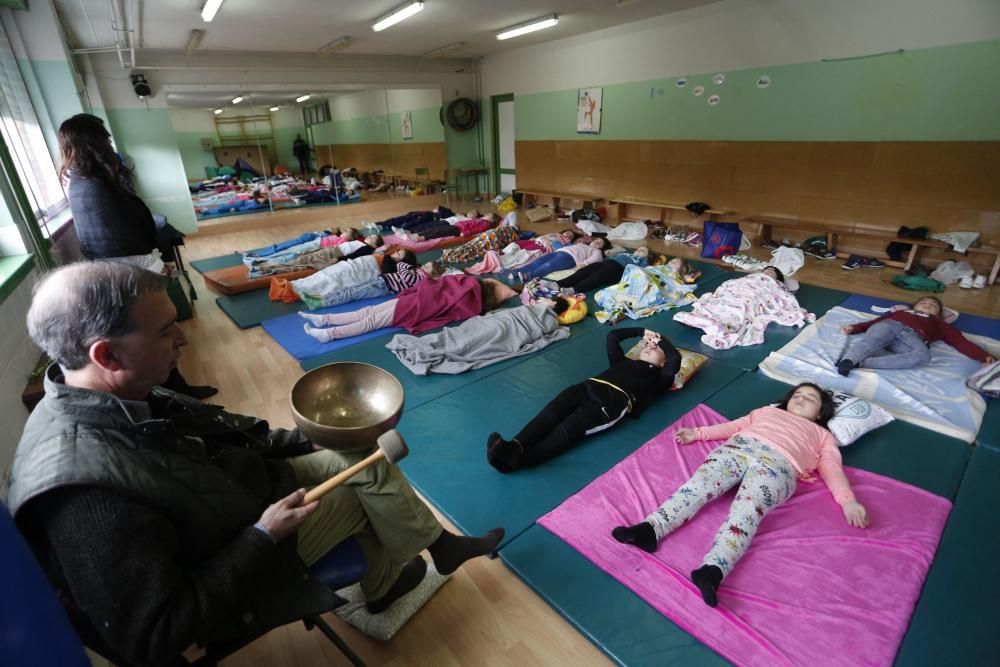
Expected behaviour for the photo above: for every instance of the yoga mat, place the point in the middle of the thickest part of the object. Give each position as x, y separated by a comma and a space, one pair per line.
903, 451
251, 308
955, 622
448, 437
810, 590
215, 263
966, 323
289, 333
817, 300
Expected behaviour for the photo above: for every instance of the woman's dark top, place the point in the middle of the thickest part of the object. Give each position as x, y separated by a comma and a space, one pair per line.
640, 380
109, 221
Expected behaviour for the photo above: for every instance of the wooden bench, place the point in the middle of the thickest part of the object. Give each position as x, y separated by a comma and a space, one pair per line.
834, 232
623, 206
532, 196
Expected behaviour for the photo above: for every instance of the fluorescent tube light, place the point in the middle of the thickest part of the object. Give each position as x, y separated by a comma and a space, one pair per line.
625, 3
303, 98
209, 9
397, 15
444, 50
335, 45
217, 112
531, 26
275, 108
194, 41
237, 99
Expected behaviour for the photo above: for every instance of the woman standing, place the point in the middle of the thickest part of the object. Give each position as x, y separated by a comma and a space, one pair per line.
111, 221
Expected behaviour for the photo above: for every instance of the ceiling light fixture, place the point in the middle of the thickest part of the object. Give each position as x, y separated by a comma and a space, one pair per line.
399, 14
335, 45
625, 3
217, 112
237, 99
442, 51
275, 108
194, 41
303, 98
530, 26
209, 10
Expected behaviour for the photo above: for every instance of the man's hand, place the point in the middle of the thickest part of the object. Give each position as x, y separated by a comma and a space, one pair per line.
856, 514
285, 516
684, 436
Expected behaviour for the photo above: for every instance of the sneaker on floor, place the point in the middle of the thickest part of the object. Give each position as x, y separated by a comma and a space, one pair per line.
979, 282
819, 252
967, 282
871, 263
770, 244
853, 262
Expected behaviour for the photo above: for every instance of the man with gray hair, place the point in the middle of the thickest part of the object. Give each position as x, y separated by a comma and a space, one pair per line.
163, 521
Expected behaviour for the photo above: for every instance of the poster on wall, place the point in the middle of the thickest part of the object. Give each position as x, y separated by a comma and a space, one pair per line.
588, 110
407, 124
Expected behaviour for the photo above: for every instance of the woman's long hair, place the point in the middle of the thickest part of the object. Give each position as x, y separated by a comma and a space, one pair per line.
86, 151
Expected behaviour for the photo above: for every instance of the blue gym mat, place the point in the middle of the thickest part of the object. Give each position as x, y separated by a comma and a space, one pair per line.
289, 333
448, 437
955, 622
816, 300
631, 632
216, 263
971, 324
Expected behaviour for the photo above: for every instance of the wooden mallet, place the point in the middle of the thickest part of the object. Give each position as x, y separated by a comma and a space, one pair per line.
391, 447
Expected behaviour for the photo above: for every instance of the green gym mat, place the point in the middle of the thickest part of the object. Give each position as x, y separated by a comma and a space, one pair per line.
631, 632
216, 263
616, 620
816, 300
448, 437
955, 620
249, 309
989, 432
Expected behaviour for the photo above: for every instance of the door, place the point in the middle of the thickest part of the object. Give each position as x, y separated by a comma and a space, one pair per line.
503, 143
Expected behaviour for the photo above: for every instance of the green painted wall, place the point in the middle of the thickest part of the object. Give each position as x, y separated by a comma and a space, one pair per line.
427, 126
53, 95
947, 93
148, 138
284, 137
193, 156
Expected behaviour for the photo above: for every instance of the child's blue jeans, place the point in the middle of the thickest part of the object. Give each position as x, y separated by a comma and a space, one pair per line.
906, 348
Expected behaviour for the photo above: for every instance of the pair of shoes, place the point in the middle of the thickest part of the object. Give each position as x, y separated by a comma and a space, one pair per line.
968, 282
871, 263
770, 244
693, 239
820, 252
853, 262
745, 262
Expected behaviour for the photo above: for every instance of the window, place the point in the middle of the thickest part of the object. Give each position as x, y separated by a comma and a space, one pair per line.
23, 137
316, 113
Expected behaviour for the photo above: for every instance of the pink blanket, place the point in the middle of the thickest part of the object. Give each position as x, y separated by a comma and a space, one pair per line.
810, 591
420, 246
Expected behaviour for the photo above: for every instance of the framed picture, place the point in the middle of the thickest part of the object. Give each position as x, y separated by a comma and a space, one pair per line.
588, 110
407, 125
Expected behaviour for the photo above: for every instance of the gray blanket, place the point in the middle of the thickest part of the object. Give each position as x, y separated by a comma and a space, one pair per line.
479, 341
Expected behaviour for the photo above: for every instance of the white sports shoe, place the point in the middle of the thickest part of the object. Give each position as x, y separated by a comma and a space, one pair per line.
966, 282
979, 282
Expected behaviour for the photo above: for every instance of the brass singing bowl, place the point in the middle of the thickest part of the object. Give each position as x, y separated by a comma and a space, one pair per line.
346, 405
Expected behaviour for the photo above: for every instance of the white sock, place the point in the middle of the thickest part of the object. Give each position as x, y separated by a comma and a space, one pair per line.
322, 335
317, 320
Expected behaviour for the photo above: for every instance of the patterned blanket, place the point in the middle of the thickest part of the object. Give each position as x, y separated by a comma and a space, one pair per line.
642, 292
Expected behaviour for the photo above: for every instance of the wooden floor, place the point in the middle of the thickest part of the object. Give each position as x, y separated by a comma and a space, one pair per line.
485, 615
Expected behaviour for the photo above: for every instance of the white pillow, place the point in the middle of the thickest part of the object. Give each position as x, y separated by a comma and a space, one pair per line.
853, 417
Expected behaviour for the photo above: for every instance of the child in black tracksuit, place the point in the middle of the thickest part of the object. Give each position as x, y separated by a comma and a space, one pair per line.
594, 405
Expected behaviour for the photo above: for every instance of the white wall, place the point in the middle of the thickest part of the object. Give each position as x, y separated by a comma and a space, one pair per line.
18, 355
365, 104
738, 34
407, 100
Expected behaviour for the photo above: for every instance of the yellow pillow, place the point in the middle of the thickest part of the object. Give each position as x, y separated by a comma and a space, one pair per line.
574, 313
690, 363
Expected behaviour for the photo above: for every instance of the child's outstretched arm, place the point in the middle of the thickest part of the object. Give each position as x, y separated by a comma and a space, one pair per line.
860, 327
954, 337
716, 432
831, 469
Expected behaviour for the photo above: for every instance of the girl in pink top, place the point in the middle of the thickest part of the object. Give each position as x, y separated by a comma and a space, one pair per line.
767, 451
568, 257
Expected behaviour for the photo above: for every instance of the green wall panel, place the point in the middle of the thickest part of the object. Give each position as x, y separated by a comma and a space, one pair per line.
426, 123
148, 138
284, 137
193, 156
947, 93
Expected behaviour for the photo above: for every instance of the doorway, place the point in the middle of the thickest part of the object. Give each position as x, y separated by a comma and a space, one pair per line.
504, 178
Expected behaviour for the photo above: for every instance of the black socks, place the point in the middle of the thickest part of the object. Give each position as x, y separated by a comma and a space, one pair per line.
503, 455
640, 535
707, 578
844, 366
449, 551
409, 578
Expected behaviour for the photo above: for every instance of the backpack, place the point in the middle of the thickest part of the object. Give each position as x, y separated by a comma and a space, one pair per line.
918, 283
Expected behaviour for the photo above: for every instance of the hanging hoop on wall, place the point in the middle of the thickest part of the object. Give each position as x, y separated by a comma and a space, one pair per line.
462, 114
